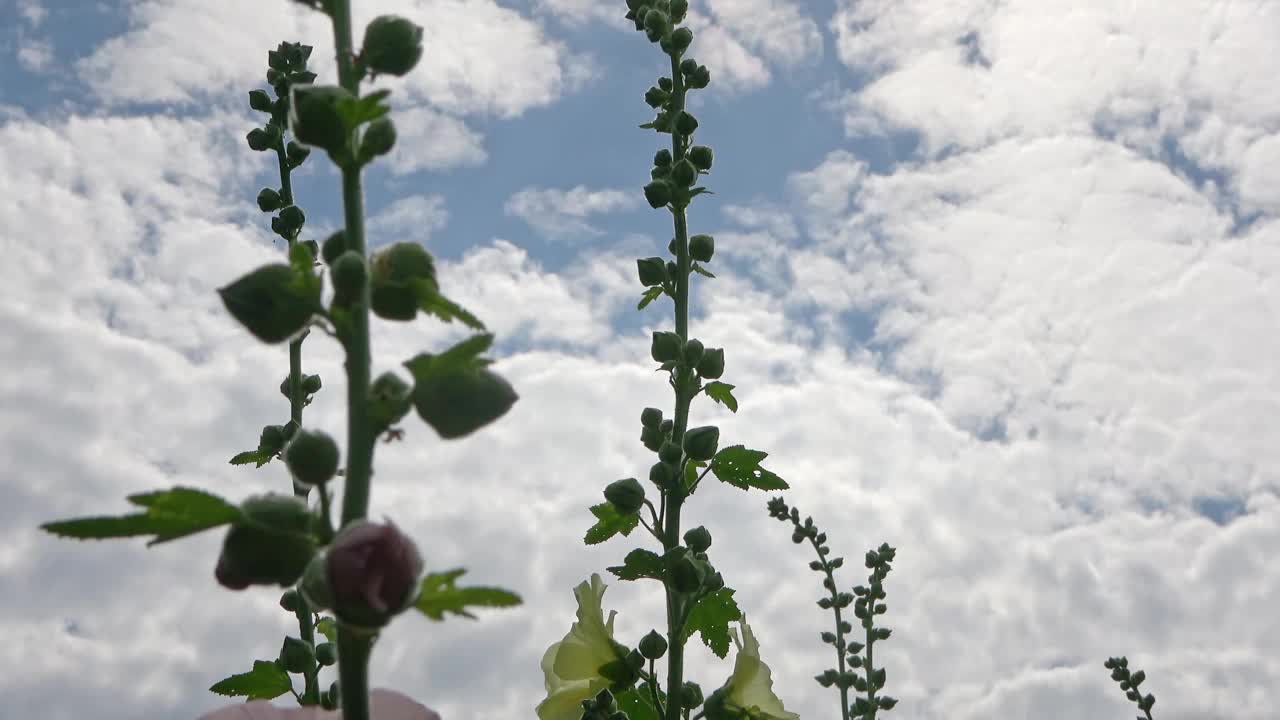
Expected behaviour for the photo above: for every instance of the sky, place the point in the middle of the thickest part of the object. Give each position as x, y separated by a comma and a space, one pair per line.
998, 283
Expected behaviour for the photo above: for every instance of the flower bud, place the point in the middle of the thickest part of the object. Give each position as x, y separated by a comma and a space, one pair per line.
686, 123
660, 474
660, 173
678, 10
700, 78
662, 158
296, 656
392, 45
656, 22
690, 695
656, 97
665, 346
651, 438
713, 583
665, 83
700, 443
658, 193
684, 173
701, 157
670, 453
378, 139
259, 100
314, 585
289, 600
268, 200
393, 270
311, 384
326, 654
374, 572
312, 457
292, 218
672, 269
666, 426
458, 403
284, 386
702, 247
650, 417
272, 439
314, 117
711, 366
331, 700
698, 539
389, 400
652, 271
334, 246
671, 246
295, 153
683, 572
349, 275
271, 543
626, 495
653, 646
681, 39
259, 139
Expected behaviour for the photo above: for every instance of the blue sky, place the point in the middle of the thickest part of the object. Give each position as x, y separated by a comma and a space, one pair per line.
998, 283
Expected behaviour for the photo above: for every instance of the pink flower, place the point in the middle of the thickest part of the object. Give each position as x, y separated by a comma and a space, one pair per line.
374, 568
383, 705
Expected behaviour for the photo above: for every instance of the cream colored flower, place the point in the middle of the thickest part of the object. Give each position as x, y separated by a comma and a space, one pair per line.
749, 691
571, 667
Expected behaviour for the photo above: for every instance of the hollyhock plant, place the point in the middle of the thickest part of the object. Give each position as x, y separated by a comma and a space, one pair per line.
571, 668
748, 693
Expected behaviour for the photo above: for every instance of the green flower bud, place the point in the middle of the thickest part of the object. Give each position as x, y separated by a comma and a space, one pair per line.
268, 200
701, 157
684, 173
296, 656
700, 78
389, 400
626, 495
652, 271
290, 600
312, 457
653, 646
349, 275
272, 439
259, 100
670, 453
277, 60
292, 217
671, 246
314, 585
273, 76
660, 476
688, 66
660, 173
672, 268
401, 263
678, 10
656, 22
684, 574
458, 403
650, 417
295, 153
284, 387
332, 700
686, 123
702, 247
334, 246
700, 443
681, 38
711, 366
698, 539
662, 158
690, 695
651, 438
666, 426
378, 139
656, 97
665, 346
665, 83
326, 654
658, 193
392, 45
259, 139
314, 118
311, 384
270, 544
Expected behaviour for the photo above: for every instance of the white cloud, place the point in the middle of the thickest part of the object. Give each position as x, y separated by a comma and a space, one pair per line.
430, 140
561, 215
416, 216
35, 55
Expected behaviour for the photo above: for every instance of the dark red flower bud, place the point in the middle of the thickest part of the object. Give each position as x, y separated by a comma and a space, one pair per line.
374, 572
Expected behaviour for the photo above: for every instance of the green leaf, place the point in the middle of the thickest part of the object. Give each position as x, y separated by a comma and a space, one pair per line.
328, 627
462, 356
640, 563
440, 595
257, 457
265, 681
637, 703
355, 111
171, 514
723, 394
691, 469
432, 302
611, 522
273, 302
701, 270
740, 467
711, 617
649, 296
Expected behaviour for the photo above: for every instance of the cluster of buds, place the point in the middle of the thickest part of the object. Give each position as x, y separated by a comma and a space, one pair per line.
287, 68
1129, 682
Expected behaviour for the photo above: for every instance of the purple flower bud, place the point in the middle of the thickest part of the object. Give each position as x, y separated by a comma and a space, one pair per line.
374, 572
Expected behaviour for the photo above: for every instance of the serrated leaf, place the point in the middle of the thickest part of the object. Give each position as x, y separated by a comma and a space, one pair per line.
440, 595
611, 522
723, 394
462, 356
740, 467
701, 270
430, 301
171, 514
711, 617
637, 703
328, 627
355, 111
649, 296
639, 563
258, 457
264, 682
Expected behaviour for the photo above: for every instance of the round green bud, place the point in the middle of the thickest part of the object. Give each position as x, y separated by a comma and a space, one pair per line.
678, 10
653, 646
700, 78
314, 117
259, 100
272, 438
650, 417
660, 173
626, 495
701, 157
392, 45
693, 351
458, 403
660, 474
665, 346
657, 193
284, 386
268, 200
656, 21
294, 152
290, 600
270, 544
698, 539
700, 443
401, 263
312, 457
273, 76
665, 427
690, 695
670, 453
334, 696
311, 384
326, 654
652, 271
651, 438
393, 302
378, 139
681, 39
349, 275
296, 655
665, 83
711, 366
656, 97
684, 173
686, 123
684, 572
258, 139
671, 246
292, 217
702, 247
389, 400
334, 246
662, 158
688, 66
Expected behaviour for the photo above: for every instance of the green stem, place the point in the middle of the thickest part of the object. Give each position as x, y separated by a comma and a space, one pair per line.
353, 650
840, 646
869, 667
675, 497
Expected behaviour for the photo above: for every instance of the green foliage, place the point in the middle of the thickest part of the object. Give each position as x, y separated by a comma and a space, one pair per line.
265, 681
169, 515
722, 393
610, 522
639, 563
710, 618
440, 595
740, 467
274, 302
